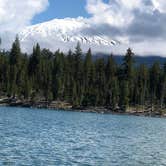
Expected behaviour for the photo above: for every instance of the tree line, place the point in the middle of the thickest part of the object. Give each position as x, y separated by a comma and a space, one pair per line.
80, 80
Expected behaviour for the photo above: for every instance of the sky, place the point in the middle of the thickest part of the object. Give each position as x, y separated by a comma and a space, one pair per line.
62, 9
139, 24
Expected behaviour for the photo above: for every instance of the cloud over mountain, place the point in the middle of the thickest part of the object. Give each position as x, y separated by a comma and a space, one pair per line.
138, 23
141, 19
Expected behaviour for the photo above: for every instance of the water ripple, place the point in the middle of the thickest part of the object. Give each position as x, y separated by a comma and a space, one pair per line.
43, 137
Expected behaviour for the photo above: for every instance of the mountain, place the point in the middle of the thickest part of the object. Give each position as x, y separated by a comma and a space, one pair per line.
147, 60
58, 32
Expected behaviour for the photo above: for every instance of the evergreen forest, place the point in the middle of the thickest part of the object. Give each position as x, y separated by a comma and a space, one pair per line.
80, 80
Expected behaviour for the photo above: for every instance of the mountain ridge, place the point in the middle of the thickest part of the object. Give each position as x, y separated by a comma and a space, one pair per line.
138, 59
66, 30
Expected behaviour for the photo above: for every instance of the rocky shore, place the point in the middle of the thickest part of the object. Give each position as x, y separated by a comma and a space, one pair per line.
130, 111
13, 102
55, 105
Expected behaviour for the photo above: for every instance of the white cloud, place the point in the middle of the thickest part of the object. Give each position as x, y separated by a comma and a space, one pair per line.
16, 14
116, 12
160, 5
140, 23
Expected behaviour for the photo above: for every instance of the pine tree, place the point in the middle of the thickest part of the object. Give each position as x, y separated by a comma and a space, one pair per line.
89, 78
141, 85
128, 72
78, 73
87, 69
14, 67
124, 95
162, 91
163, 99
154, 84
81, 81
112, 83
69, 79
100, 82
34, 68
46, 66
58, 76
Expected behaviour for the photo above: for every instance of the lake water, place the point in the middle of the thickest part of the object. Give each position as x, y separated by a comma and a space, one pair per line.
44, 137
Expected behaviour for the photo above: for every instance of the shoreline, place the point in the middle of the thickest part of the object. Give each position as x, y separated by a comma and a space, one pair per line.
59, 105
153, 115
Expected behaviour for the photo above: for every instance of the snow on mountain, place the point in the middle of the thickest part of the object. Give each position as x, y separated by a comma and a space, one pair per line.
64, 34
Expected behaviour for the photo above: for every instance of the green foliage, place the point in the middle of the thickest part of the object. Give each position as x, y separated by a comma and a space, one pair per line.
124, 94
80, 80
141, 85
112, 90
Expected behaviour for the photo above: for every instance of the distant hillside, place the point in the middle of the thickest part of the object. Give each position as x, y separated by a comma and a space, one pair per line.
148, 60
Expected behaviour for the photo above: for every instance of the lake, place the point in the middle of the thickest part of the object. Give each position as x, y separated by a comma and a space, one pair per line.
45, 137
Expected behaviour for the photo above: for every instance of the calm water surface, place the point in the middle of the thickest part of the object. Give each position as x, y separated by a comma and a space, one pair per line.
43, 137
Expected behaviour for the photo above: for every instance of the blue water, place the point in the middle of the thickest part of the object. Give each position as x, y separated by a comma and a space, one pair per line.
43, 137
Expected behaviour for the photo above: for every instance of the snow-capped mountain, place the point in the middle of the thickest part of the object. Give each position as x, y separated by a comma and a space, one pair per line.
64, 33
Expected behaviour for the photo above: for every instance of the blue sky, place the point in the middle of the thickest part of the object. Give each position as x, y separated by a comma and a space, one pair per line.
62, 9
